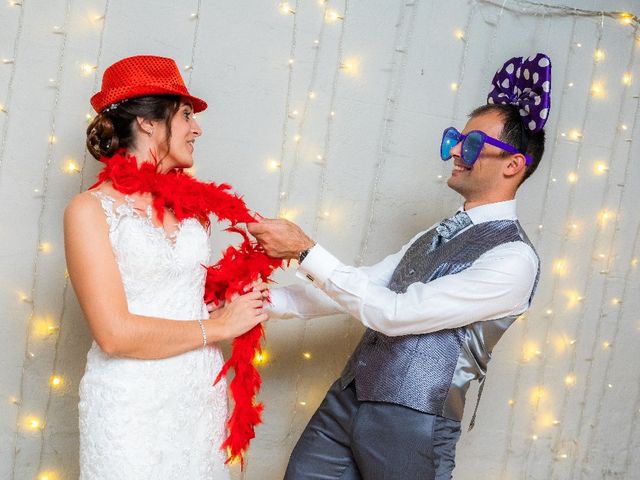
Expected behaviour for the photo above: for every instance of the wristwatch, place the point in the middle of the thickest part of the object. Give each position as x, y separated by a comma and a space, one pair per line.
303, 254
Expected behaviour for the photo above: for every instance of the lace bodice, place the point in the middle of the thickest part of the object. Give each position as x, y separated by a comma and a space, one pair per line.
164, 419
160, 273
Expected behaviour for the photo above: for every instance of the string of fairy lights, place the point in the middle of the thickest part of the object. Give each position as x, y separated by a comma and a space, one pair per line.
38, 326
57, 380
626, 295
34, 323
531, 349
402, 41
605, 302
559, 267
609, 258
341, 66
327, 15
9, 96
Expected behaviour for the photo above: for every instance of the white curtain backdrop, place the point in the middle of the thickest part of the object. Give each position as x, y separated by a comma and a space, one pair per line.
330, 113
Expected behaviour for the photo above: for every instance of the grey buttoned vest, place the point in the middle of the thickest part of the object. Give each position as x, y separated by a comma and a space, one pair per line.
431, 372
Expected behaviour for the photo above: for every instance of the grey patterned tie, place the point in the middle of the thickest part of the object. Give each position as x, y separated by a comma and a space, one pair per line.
448, 228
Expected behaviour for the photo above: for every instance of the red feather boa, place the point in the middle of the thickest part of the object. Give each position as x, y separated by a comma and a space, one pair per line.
239, 266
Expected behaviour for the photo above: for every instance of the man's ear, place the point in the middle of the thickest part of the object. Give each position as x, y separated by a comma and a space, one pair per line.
517, 163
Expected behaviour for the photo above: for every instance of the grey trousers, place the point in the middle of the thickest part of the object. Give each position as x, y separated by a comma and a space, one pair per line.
351, 440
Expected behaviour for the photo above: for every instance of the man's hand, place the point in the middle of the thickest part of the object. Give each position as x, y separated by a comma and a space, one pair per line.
280, 238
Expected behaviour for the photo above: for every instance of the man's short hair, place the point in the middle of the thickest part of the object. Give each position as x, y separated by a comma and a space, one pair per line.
516, 134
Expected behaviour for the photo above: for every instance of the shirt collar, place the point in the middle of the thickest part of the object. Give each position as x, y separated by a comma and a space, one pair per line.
493, 211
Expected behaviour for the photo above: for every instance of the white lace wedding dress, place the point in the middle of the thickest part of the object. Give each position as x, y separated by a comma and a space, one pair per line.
154, 419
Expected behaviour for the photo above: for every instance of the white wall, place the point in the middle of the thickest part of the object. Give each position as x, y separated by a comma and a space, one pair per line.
380, 181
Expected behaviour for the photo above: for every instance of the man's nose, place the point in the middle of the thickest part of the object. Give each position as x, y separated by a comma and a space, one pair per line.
456, 150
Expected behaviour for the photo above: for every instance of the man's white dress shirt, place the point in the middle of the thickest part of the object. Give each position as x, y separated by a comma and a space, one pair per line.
496, 285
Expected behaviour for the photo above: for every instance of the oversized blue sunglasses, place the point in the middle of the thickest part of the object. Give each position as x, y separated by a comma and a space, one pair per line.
472, 144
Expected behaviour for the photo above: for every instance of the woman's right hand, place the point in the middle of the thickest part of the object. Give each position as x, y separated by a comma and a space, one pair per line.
239, 315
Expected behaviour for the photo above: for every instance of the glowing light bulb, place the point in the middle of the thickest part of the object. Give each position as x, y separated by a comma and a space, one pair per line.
634, 262
606, 344
71, 167
623, 127
312, 94
511, 402
350, 66
616, 301
560, 266
534, 437
3, 108
573, 298
44, 247
530, 350
626, 18
570, 84
260, 358
604, 217
597, 90
320, 158
599, 55
52, 139
548, 311
302, 403
575, 135
291, 60
537, 394
570, 380
285, 9
627, 79
55, 381
572, 177
332, 15
273, 165
43, 327
459, 34
453, 86
87, 69
297, 138
600, 168
33, 423
288, 214
306, 355
332, 113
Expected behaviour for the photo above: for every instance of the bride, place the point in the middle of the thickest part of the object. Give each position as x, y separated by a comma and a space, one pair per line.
148, 408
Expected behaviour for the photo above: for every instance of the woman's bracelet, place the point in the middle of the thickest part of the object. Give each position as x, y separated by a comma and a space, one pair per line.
204, 333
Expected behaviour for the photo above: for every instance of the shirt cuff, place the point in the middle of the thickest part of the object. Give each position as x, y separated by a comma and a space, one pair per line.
318, 265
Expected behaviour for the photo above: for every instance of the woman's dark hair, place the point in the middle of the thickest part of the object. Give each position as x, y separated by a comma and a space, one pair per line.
516, 134
114, 129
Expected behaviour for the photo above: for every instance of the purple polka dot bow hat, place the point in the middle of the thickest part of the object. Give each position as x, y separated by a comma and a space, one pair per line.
525, 83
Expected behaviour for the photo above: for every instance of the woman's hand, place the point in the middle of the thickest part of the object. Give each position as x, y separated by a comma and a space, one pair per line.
240, 314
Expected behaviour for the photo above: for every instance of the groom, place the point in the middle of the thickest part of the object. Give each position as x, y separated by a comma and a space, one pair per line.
434, 310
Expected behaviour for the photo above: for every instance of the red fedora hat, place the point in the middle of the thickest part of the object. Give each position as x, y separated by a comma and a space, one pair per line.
140, 76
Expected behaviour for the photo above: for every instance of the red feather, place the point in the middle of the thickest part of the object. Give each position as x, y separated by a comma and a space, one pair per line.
239, 266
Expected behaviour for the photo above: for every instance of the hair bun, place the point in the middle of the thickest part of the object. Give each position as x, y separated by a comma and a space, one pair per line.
102, 139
